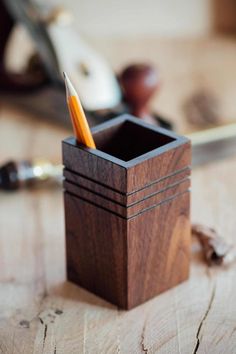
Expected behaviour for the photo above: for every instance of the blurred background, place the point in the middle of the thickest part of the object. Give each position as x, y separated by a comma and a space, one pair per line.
170, 63
172, 18
145, 18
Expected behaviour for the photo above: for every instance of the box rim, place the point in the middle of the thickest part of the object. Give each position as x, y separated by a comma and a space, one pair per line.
179, 140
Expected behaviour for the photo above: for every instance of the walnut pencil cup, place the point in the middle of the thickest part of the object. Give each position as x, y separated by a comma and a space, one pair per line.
127, 211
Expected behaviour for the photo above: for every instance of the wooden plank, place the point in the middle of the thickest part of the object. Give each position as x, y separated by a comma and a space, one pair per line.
198, 316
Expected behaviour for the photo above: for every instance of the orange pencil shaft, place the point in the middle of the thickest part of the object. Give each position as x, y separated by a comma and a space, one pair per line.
80, 123
78, 118
75, 124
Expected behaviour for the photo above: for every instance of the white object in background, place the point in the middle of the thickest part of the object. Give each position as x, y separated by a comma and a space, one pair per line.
20, 47
91, 75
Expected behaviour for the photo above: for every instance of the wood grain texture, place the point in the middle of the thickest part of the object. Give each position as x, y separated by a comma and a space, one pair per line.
125, 167
92, 166
198, 315
96, 250
127, 198
127, 261
158, 249
169, 161
132, 210
129, 253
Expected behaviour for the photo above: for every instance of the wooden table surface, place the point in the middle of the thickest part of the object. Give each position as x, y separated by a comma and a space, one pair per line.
40, 312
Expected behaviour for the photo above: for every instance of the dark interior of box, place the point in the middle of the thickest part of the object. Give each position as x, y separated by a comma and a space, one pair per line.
129, 140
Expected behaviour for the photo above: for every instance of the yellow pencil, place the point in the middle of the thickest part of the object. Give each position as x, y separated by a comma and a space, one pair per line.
80, 124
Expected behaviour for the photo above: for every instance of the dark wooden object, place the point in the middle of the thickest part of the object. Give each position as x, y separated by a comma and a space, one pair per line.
127, 211
224, 16
139, 83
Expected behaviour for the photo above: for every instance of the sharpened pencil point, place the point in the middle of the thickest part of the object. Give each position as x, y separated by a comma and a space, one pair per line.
79, 120
70, 90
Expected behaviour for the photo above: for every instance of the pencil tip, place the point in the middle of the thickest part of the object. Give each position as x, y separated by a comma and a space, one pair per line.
70, 90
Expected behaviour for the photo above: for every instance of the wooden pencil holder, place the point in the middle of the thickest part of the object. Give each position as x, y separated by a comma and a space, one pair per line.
127, 211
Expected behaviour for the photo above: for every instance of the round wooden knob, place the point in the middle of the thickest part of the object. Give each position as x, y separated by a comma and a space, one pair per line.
139, 82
